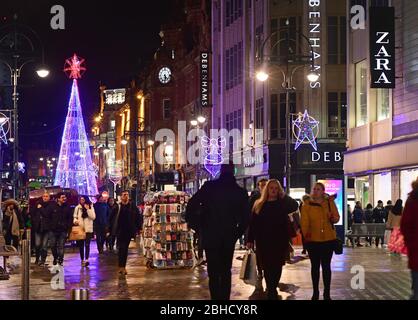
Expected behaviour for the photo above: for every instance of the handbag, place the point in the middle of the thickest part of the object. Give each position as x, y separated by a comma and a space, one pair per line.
248, 272
77, 234
338, 243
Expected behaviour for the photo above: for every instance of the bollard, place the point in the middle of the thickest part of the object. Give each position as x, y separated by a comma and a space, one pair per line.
80, 294
25, 269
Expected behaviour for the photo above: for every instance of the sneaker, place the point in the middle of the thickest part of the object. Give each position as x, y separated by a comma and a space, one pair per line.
86, 263
83, 263
55, 262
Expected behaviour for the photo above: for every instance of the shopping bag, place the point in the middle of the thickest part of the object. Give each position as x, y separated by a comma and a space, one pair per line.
248, 271
77, 233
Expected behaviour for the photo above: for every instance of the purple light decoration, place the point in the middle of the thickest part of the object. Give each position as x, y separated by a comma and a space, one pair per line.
75, 168
304, 128
213, 150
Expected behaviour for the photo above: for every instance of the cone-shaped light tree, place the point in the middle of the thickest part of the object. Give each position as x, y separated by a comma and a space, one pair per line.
75, 168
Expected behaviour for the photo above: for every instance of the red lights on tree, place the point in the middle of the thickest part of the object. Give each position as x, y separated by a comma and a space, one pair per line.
74, 68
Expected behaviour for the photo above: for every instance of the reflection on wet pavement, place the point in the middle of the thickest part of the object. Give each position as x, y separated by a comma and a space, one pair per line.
386, 278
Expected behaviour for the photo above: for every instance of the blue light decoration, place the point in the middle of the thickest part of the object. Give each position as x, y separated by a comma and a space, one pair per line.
75, 168
213, 150
305, 129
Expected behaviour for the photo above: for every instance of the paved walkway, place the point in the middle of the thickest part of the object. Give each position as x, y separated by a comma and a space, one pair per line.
386, 278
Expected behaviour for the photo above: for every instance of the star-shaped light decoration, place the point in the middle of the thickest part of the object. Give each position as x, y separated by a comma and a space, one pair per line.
74, 67
305, 129
4, 127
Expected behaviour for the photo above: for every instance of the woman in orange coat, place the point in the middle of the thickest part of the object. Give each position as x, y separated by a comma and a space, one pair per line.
319, 214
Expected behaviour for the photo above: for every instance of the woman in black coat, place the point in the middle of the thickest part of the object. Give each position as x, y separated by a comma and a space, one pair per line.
271, 230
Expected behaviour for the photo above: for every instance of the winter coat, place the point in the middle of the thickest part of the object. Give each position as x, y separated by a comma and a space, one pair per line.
409, 229
368, 216
38, 216
59, 218
220, 212
271, 231
393, 221
358, 215
86, 223
379, 215
135, 221
8, 223
102, 211
255, 195
316, 224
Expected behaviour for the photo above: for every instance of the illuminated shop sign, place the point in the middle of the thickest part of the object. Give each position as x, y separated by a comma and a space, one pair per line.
314, 25
204, 79
115, 96
382, 47
335, 187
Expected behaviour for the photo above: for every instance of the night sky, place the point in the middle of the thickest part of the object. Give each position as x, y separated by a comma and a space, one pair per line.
116, 40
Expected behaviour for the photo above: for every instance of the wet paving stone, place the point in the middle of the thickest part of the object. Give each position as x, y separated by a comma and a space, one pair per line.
386, 278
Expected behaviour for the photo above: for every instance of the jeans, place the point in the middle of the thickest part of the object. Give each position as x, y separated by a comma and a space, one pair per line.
41, 246
84, 246
272, 281
123, 246
320, 254
414, 275
57, 241
219, 271
100, 231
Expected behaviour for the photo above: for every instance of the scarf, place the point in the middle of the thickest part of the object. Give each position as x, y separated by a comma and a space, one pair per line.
15, 228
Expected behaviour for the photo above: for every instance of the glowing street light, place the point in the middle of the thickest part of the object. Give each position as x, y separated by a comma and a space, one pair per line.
42, 72
150, 142
313, 76
193, 123
124, 142
201, 119
262, 76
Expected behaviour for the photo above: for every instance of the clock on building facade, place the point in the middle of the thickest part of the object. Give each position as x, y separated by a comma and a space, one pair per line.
164, 75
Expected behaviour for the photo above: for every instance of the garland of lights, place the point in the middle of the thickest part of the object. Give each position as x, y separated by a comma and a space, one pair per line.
75, 168
213, 150
306, 130
4, 127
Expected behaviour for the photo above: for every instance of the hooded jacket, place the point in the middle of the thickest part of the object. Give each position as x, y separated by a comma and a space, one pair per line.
315, 222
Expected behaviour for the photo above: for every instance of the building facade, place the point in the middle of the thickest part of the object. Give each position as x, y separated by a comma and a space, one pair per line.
242, 31
382, 159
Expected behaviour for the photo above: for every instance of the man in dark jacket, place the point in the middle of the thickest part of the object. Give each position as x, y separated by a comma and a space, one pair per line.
101, 223
358, 217
379, 217
39, 228
59, 222
220, 210
127, 223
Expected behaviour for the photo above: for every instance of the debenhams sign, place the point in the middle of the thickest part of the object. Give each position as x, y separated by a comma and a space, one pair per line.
382, 47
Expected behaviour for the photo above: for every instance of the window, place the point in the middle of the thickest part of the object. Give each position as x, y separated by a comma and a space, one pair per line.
234, 121
280, 47
233, 10
379, 3
166, 109
337, 115
292, 106
259, 113
383, 100
333, 123
274, 128
336, 40
233, 66
362, 116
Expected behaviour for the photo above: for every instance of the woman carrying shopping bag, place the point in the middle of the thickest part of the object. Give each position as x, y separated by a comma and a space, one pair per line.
271, 231
319, 215
84, 216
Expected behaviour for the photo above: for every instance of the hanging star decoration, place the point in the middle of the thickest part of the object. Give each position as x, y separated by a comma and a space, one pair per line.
213, 150
74, 68
4, 127
306, 130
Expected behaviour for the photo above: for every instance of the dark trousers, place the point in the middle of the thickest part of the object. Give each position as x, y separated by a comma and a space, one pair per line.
100, 232
110, 242
219, 271
123, 246
41, 246
57, 241
11, 240
259, 267
272, 276
320, 254
84, 246
414, 275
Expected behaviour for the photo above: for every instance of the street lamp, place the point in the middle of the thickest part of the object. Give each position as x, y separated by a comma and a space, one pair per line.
288, 73
124, 142
20, 45
194, 122
201, 119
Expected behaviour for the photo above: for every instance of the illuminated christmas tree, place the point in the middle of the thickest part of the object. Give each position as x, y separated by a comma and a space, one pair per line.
75, 168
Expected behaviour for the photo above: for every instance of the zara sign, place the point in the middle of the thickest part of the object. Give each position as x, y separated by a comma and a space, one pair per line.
382, 47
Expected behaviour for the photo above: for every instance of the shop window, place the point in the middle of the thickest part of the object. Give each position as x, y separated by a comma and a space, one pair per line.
337, 114
362, 187
382, 189
383, 101
362, 115
407, 177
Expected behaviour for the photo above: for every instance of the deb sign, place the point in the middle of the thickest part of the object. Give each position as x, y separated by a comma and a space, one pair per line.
382, 47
